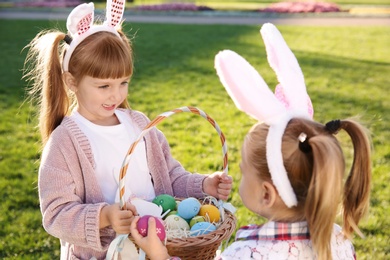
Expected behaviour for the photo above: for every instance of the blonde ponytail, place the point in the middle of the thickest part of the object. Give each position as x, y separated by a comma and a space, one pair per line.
324, 192
357, 186
43, 69
316, 171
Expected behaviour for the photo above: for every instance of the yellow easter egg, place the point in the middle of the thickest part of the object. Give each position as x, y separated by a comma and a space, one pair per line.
209, 212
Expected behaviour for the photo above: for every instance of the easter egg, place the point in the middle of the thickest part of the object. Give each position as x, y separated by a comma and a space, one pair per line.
173, 212
202, 228
197, 219
176, 222
188, 208
210, 213
165, 201
142, 226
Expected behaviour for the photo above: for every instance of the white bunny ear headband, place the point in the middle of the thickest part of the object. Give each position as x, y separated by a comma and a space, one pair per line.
251, 95
80, 24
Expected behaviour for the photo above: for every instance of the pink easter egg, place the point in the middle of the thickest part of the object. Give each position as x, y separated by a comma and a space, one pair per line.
142, 227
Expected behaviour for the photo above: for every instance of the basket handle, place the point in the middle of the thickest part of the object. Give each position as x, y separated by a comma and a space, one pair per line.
155, 122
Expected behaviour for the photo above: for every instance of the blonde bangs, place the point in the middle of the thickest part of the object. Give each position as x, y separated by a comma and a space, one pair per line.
102, 55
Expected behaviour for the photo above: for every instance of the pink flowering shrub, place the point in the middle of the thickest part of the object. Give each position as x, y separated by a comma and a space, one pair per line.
50, 3
171, 7
301, 7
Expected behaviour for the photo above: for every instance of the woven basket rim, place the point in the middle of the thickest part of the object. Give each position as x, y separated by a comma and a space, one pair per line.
225, 225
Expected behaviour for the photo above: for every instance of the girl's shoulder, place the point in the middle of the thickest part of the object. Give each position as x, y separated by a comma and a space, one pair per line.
67, 128
342, 247
274, 240
67, 134
274, 231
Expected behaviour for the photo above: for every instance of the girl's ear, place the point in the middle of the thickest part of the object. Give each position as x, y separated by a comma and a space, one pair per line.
269, 194
70, 81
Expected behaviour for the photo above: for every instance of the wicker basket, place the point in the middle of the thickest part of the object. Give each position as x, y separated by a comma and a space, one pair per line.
202, 247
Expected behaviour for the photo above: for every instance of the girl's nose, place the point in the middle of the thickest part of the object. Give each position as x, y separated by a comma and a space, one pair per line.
116, 94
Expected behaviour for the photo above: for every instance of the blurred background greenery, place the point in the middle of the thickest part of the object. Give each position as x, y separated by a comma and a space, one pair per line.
346, 71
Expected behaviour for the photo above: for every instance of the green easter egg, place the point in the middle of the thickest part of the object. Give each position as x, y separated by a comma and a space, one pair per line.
173, 212
197, 219
165, 201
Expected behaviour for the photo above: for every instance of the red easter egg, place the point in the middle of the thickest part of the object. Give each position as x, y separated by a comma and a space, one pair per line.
142, 226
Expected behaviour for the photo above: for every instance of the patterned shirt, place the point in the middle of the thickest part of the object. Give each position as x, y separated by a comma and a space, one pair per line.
276, 240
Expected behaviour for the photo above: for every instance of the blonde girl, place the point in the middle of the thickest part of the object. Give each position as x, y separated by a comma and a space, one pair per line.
293, 168
80, 82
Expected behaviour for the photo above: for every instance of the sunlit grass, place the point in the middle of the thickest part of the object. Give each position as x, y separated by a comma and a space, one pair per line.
346, 71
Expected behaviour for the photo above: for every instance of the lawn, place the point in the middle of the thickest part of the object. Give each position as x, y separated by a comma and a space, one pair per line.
346, 71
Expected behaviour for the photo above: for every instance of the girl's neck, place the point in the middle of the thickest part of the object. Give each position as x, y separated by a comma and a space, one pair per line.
111, 121
279, 212
107, 121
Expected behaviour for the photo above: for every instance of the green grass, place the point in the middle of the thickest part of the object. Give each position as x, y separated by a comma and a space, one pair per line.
346, 71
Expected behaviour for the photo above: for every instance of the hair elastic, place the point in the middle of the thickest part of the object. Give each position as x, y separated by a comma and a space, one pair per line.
304, 145
80, 24
333, 126
68, 39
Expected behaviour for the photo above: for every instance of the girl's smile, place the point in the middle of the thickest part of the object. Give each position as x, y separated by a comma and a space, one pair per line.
98, 98
109, 107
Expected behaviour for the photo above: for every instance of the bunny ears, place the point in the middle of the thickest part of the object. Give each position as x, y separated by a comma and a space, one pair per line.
251, 94
80, 24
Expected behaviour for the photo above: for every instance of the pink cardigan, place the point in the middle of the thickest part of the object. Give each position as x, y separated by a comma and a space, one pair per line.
70, 196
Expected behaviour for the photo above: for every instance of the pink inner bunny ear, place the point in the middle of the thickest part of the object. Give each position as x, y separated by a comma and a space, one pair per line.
84, 24
80, 19
114, 12
279, 94
287, 69
310, 109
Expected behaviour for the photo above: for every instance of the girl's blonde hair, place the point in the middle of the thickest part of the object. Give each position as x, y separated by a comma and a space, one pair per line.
100, 55
316, 175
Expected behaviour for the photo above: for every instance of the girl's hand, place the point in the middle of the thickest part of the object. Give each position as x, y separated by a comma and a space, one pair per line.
218, 185
151, 244
117, 218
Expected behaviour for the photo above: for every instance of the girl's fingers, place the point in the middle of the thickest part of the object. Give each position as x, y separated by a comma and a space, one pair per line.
151, 226
132, 208
133, 229
223, 197
134, 222
223, 192
226, 179
225, 186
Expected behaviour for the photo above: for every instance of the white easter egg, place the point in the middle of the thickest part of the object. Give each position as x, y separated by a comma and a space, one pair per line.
173, 222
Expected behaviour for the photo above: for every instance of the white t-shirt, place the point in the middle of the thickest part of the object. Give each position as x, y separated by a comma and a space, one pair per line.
109, 146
